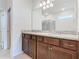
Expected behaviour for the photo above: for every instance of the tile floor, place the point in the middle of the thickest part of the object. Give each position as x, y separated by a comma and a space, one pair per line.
6, 55
22, 56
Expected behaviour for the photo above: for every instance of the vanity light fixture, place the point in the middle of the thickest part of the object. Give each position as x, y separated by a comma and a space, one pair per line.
41, 5
46, 4
48, 1
44, 8
51, 5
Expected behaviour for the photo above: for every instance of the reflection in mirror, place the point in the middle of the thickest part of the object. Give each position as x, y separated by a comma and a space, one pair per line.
61, 13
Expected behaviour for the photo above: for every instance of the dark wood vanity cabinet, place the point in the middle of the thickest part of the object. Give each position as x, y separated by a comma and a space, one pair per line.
41, 47
34, 47
29, 45
25, 44
42, 51
46, 50
61, 53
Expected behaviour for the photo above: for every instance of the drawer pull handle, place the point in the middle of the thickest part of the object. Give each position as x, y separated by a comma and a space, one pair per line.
50, 48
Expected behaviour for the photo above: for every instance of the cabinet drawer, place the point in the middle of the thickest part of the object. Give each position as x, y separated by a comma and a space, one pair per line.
69, 44
52, 41
39, 38
33, 37
27, 36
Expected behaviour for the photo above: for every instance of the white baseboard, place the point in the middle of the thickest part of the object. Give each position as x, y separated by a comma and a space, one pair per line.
17, 54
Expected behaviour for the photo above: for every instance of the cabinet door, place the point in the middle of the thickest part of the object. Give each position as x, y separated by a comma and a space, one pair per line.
25, 46
34, 47
61, 53
30, 47
42, 51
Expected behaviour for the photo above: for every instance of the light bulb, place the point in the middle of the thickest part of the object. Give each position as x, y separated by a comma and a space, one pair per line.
47, 6
41, 5
51, 5
48, 1
44, 7
44, 3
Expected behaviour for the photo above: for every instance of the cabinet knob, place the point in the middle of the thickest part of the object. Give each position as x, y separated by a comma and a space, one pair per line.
50, 48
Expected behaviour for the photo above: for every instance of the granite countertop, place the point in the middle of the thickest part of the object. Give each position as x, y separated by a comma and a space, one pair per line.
73, 36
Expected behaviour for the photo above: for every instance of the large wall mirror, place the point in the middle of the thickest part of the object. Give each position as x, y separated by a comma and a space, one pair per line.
54, 15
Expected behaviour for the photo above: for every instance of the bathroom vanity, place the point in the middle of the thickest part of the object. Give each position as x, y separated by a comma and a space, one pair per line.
50, 46
55, 16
